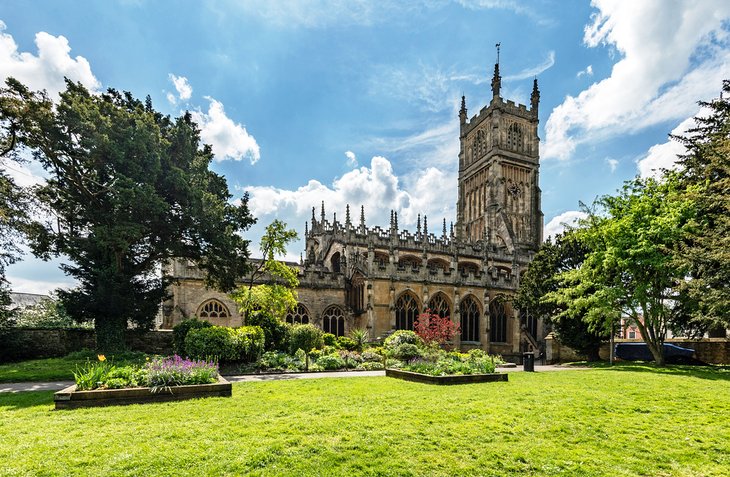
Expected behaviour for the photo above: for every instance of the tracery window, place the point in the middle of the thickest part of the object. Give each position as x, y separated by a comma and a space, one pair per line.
469, 311
498, 321
514, 137
213, 309
355, 294
298, 316
439, 305
529, 322
406, 311
333, 320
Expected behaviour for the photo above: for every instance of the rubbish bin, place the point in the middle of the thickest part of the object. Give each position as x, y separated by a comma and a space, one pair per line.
528, 361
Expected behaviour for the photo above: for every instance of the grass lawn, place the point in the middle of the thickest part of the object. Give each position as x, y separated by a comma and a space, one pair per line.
56, 369
633, 420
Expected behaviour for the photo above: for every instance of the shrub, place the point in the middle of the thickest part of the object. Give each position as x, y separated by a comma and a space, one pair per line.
370, 366
249, 342
433, 328
214, 342
406, 352
371, 356
401, 337
306, 337
180, 331
329, 339
346, 343
360, 337
276, 332
330, 362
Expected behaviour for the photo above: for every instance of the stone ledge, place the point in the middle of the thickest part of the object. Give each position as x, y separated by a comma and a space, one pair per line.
69, 398
452, 379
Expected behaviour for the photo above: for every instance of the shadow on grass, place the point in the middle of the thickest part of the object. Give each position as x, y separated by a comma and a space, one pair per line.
714, 373
23, 400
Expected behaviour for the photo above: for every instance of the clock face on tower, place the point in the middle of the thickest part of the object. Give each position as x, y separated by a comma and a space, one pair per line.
514, 190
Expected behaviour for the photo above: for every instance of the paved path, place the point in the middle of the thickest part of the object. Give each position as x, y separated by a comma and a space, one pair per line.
56, 386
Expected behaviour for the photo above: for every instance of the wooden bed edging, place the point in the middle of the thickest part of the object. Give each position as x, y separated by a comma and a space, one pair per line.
69, 398
452, 379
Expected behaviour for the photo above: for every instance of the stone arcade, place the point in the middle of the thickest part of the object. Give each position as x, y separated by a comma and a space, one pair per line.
380, 279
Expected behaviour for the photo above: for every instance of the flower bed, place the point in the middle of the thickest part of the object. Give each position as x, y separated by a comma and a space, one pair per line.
71, 398
445, 379
163, 379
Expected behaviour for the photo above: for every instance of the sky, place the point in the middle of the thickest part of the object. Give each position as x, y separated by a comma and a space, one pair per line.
356, 102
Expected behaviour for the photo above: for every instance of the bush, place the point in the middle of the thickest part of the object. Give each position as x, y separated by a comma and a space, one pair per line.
330, 362
214, 342
406, 352
249, 343
360, 337
346, 343
370, 366
371, 356
180, 331
401, 337
276, 332
329, 339
305, 337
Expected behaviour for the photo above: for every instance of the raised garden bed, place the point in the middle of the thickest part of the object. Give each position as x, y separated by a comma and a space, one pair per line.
452, 379
69, 398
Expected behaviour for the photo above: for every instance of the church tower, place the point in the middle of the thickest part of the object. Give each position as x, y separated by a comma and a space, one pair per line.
498, 192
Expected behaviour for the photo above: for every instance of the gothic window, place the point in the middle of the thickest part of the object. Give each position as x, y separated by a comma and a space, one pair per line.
409, 262
356, 294
469, 311
528, 322
381, 259
213, 309
333, 321
335, 262
436, 263
514, 137
298, 316
498, 321
465, 268
439, 305
406, 311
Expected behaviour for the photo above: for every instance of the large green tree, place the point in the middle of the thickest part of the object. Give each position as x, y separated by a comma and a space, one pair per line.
543, 277
631, 270
128, 190
705, 177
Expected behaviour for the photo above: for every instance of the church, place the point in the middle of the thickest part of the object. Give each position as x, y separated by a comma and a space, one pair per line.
381, 278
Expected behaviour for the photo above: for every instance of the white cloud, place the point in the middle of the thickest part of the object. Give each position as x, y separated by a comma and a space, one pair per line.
672, 54
664, 156
47, 69
22, 174
229, 139
586, 72
351, 158
560, 222
376, 187
183, 88
41, 287
612, 163
171, 98
534, 70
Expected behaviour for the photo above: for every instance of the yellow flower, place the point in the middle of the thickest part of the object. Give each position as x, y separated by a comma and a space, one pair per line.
101, 357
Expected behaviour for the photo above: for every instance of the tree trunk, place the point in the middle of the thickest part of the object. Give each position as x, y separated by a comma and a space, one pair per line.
110, 334
657, 350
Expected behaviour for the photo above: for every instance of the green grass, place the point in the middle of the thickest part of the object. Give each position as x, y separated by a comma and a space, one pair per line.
623, 421
57, 369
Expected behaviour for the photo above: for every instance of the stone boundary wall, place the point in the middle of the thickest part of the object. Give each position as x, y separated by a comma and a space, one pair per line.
31, 343
709, 350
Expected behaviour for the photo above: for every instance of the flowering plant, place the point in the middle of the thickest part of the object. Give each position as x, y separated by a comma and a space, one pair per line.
176, 371
435, 329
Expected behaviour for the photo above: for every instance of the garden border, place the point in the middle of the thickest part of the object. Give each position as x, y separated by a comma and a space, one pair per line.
70, 398
451, 379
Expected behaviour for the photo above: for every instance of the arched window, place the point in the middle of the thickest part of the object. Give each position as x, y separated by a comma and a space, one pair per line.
298, 316
469, 310
355, 294
333, 321
213, 309
528, 322
514, 137
406, 311
465, 268
439, 305
497, 321
335, 262
409, 261
381, 259
436, 263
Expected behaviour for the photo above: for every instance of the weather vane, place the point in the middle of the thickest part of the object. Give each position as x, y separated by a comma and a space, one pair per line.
498, 45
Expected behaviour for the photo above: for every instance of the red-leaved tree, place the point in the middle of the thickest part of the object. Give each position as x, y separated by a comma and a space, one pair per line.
435, 329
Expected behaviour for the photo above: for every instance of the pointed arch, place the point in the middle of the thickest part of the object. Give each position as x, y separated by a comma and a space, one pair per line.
470, 311
333, 320
298, 316
213, 309
407, 308
498, 320
440, 305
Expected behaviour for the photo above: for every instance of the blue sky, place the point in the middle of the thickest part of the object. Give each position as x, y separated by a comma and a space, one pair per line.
356, 102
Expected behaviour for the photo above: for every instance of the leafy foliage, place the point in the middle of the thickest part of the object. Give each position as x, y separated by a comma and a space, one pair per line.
128, 189
705, 179
48, 313
432, 328
225, 344
181, 330
400, 337
305, 337
276, 332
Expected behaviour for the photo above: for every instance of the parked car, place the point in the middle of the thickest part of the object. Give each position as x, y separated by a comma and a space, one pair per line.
673, 354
